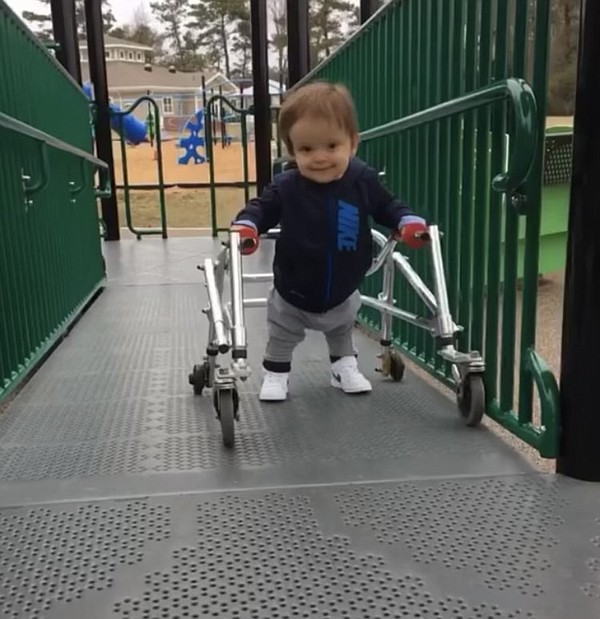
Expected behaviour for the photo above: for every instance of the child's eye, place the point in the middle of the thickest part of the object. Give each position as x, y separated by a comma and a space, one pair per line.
305, 149
332, 146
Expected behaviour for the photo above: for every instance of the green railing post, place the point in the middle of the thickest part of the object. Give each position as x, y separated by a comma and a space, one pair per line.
246, 184
139, 232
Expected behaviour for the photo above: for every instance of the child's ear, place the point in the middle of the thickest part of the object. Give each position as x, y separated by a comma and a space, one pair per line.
354, 144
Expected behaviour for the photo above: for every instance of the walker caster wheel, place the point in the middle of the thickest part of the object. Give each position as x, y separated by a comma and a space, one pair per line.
226, 402
199, 378
392, 365
397, 366
470, 397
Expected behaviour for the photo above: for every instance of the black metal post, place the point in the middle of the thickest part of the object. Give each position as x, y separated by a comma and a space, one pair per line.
97, 63
580, 364
298, 40
262, 103
64, 27
367, 9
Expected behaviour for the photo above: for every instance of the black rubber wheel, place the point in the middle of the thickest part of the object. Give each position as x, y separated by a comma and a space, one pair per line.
226, 401
397, 366
470, 398
198, 378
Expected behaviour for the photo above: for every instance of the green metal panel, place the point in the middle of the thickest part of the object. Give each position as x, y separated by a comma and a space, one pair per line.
50, 255
416, 54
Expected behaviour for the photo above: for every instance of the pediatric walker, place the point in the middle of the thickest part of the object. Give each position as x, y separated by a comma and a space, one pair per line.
227, 331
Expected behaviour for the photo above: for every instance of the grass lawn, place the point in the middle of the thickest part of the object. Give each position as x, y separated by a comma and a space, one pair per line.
186, 208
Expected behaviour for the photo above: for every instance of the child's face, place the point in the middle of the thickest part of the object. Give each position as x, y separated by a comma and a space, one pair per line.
322, 149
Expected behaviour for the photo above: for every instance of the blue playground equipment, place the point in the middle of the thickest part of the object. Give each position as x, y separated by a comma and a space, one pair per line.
195, 126
132, 129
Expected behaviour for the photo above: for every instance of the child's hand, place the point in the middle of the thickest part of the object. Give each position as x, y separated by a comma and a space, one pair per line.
248, 238
413, 232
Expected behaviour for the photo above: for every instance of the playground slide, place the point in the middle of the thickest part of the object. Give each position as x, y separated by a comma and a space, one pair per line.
134, 130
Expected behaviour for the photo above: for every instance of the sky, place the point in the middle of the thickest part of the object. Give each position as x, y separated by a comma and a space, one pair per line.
123, 10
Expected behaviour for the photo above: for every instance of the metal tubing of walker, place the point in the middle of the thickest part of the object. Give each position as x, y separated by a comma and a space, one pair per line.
415, 281
444, 319
238, 329
216, 308
384, 308
387, 296
256, 278
252, 303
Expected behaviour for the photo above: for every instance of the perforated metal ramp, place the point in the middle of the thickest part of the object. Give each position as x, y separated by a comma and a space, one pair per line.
117, 498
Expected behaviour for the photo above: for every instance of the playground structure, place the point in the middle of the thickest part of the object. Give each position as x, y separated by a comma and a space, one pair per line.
329, 505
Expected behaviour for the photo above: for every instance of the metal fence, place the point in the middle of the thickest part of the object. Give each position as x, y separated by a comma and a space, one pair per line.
413, 55
50, 256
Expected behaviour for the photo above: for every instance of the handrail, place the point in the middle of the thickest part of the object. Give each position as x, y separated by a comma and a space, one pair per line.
12, 124
232, 107
522, 149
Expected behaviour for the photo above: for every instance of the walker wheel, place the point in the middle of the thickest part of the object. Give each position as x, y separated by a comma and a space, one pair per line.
470, 397
226, 402
397, 366
199, 378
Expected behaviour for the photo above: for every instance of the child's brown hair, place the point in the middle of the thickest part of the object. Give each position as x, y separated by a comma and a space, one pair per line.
331, 102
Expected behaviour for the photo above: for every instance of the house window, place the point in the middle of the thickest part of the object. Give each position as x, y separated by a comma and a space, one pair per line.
107, 54
167, 103
121, 54
139, 56
130, 55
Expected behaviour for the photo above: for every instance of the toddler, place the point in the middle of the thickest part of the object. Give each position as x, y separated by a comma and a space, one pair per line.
323, 206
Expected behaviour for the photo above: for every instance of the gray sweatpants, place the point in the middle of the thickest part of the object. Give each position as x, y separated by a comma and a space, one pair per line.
287, 325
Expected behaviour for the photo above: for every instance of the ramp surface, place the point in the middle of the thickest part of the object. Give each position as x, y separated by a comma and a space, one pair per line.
117, 498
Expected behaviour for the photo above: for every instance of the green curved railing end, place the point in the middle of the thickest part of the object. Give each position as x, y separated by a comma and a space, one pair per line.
523, 147
549, 395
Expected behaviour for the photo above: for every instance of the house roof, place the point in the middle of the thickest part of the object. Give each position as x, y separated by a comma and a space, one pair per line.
128, 76
110, 41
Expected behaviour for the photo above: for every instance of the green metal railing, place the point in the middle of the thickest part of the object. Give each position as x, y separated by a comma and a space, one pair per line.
245, 183
414, 55
160, 187
50, 257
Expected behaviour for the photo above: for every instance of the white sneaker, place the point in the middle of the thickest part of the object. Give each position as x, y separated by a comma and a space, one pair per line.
346, 376
274, 387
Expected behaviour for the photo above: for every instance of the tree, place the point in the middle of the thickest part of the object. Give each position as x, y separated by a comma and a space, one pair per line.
171, 13
242, 45
279, 38
41, 23
212, 20
140, 31
564, 32
326, 19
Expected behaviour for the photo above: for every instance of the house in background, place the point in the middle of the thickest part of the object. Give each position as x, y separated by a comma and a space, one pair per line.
130, 76
276, 93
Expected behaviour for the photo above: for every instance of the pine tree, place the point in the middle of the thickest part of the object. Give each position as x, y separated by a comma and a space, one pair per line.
326, 19
171, 14
279, 38
242, 45
140, 31
213, 22
41, 23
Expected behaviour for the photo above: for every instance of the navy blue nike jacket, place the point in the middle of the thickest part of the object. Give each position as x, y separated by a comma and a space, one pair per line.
325, 246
